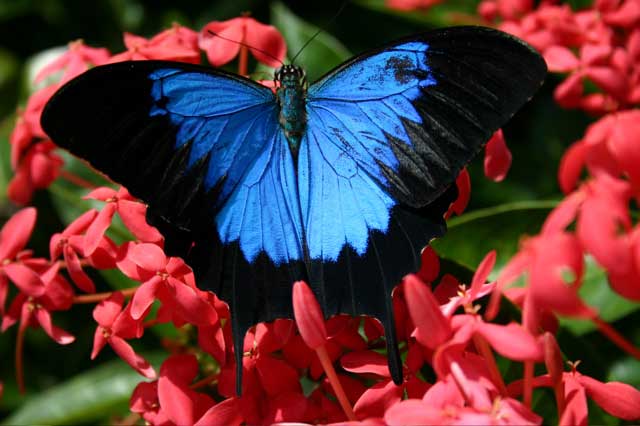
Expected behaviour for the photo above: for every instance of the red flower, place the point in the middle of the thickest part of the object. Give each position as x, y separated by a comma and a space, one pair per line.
222, 41
172, 45
76, 60
168, 279
609, 146
116, 325
131, 212
69, 243
497, 157
40, 294
507, 9
37, 169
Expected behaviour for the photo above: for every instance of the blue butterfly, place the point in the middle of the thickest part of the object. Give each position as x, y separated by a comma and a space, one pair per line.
341, 183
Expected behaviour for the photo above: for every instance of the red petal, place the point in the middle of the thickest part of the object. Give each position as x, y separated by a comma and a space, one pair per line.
74, 267
463, 182
512, 341
96, 230
366, 362
224, 413
431, 325
148, 256
412, 412
308, 315
560, 59
25, 279
99, 341
144, 397
497, 158
175, 397
221, 40
277, 376
618, 399
377, 399
571, 166
126, 352
16, 232
103, 193
20, 188
60, 336
576, 411
81, 224
266, 43
430, 265
287, 407
133, 216
194, 308
553, 358
482, 273
144, 297
211, 340
108, 310
564, 213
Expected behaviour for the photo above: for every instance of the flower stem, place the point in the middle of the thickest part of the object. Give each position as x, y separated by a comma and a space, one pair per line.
210, 379
99, 297
335, 383
18, 360
527, 391
487, 354
76, 180
616, 337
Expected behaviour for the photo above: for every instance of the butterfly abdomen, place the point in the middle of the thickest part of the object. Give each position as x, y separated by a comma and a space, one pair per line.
291, 99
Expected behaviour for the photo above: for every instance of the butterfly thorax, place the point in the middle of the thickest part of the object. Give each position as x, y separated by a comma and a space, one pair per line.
291, 94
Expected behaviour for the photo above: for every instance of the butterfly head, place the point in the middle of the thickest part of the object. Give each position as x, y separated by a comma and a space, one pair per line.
291, 75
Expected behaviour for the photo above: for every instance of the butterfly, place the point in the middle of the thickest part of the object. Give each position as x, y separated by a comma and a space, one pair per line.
340, 183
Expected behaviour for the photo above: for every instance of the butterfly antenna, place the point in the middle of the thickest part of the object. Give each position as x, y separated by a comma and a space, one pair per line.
331, 21
241, 43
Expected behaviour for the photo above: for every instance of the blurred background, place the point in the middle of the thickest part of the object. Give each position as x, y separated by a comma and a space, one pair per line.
64, 380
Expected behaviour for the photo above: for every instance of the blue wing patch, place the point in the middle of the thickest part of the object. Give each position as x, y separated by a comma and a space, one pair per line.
234, 126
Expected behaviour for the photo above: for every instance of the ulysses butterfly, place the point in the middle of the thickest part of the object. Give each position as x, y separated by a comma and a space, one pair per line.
341, 183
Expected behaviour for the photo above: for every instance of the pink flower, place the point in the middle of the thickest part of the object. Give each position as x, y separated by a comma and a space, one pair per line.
116, 325
175, 44
14, 235
76, 60
40, 294
69, 244
37, 169
168, 279
130, 211
222, 41
609, 146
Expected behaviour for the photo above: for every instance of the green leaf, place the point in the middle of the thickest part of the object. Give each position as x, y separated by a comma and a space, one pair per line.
472, 235
452, 12
91, 396
321, 54
5, 155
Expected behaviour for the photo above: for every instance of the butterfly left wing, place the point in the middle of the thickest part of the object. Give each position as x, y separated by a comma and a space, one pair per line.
204, 149
387, 134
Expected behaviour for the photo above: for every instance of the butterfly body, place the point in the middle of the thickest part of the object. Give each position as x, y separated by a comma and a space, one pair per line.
291, 95
341, 184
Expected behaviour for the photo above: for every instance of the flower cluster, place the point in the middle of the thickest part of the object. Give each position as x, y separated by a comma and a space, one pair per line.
451, 348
